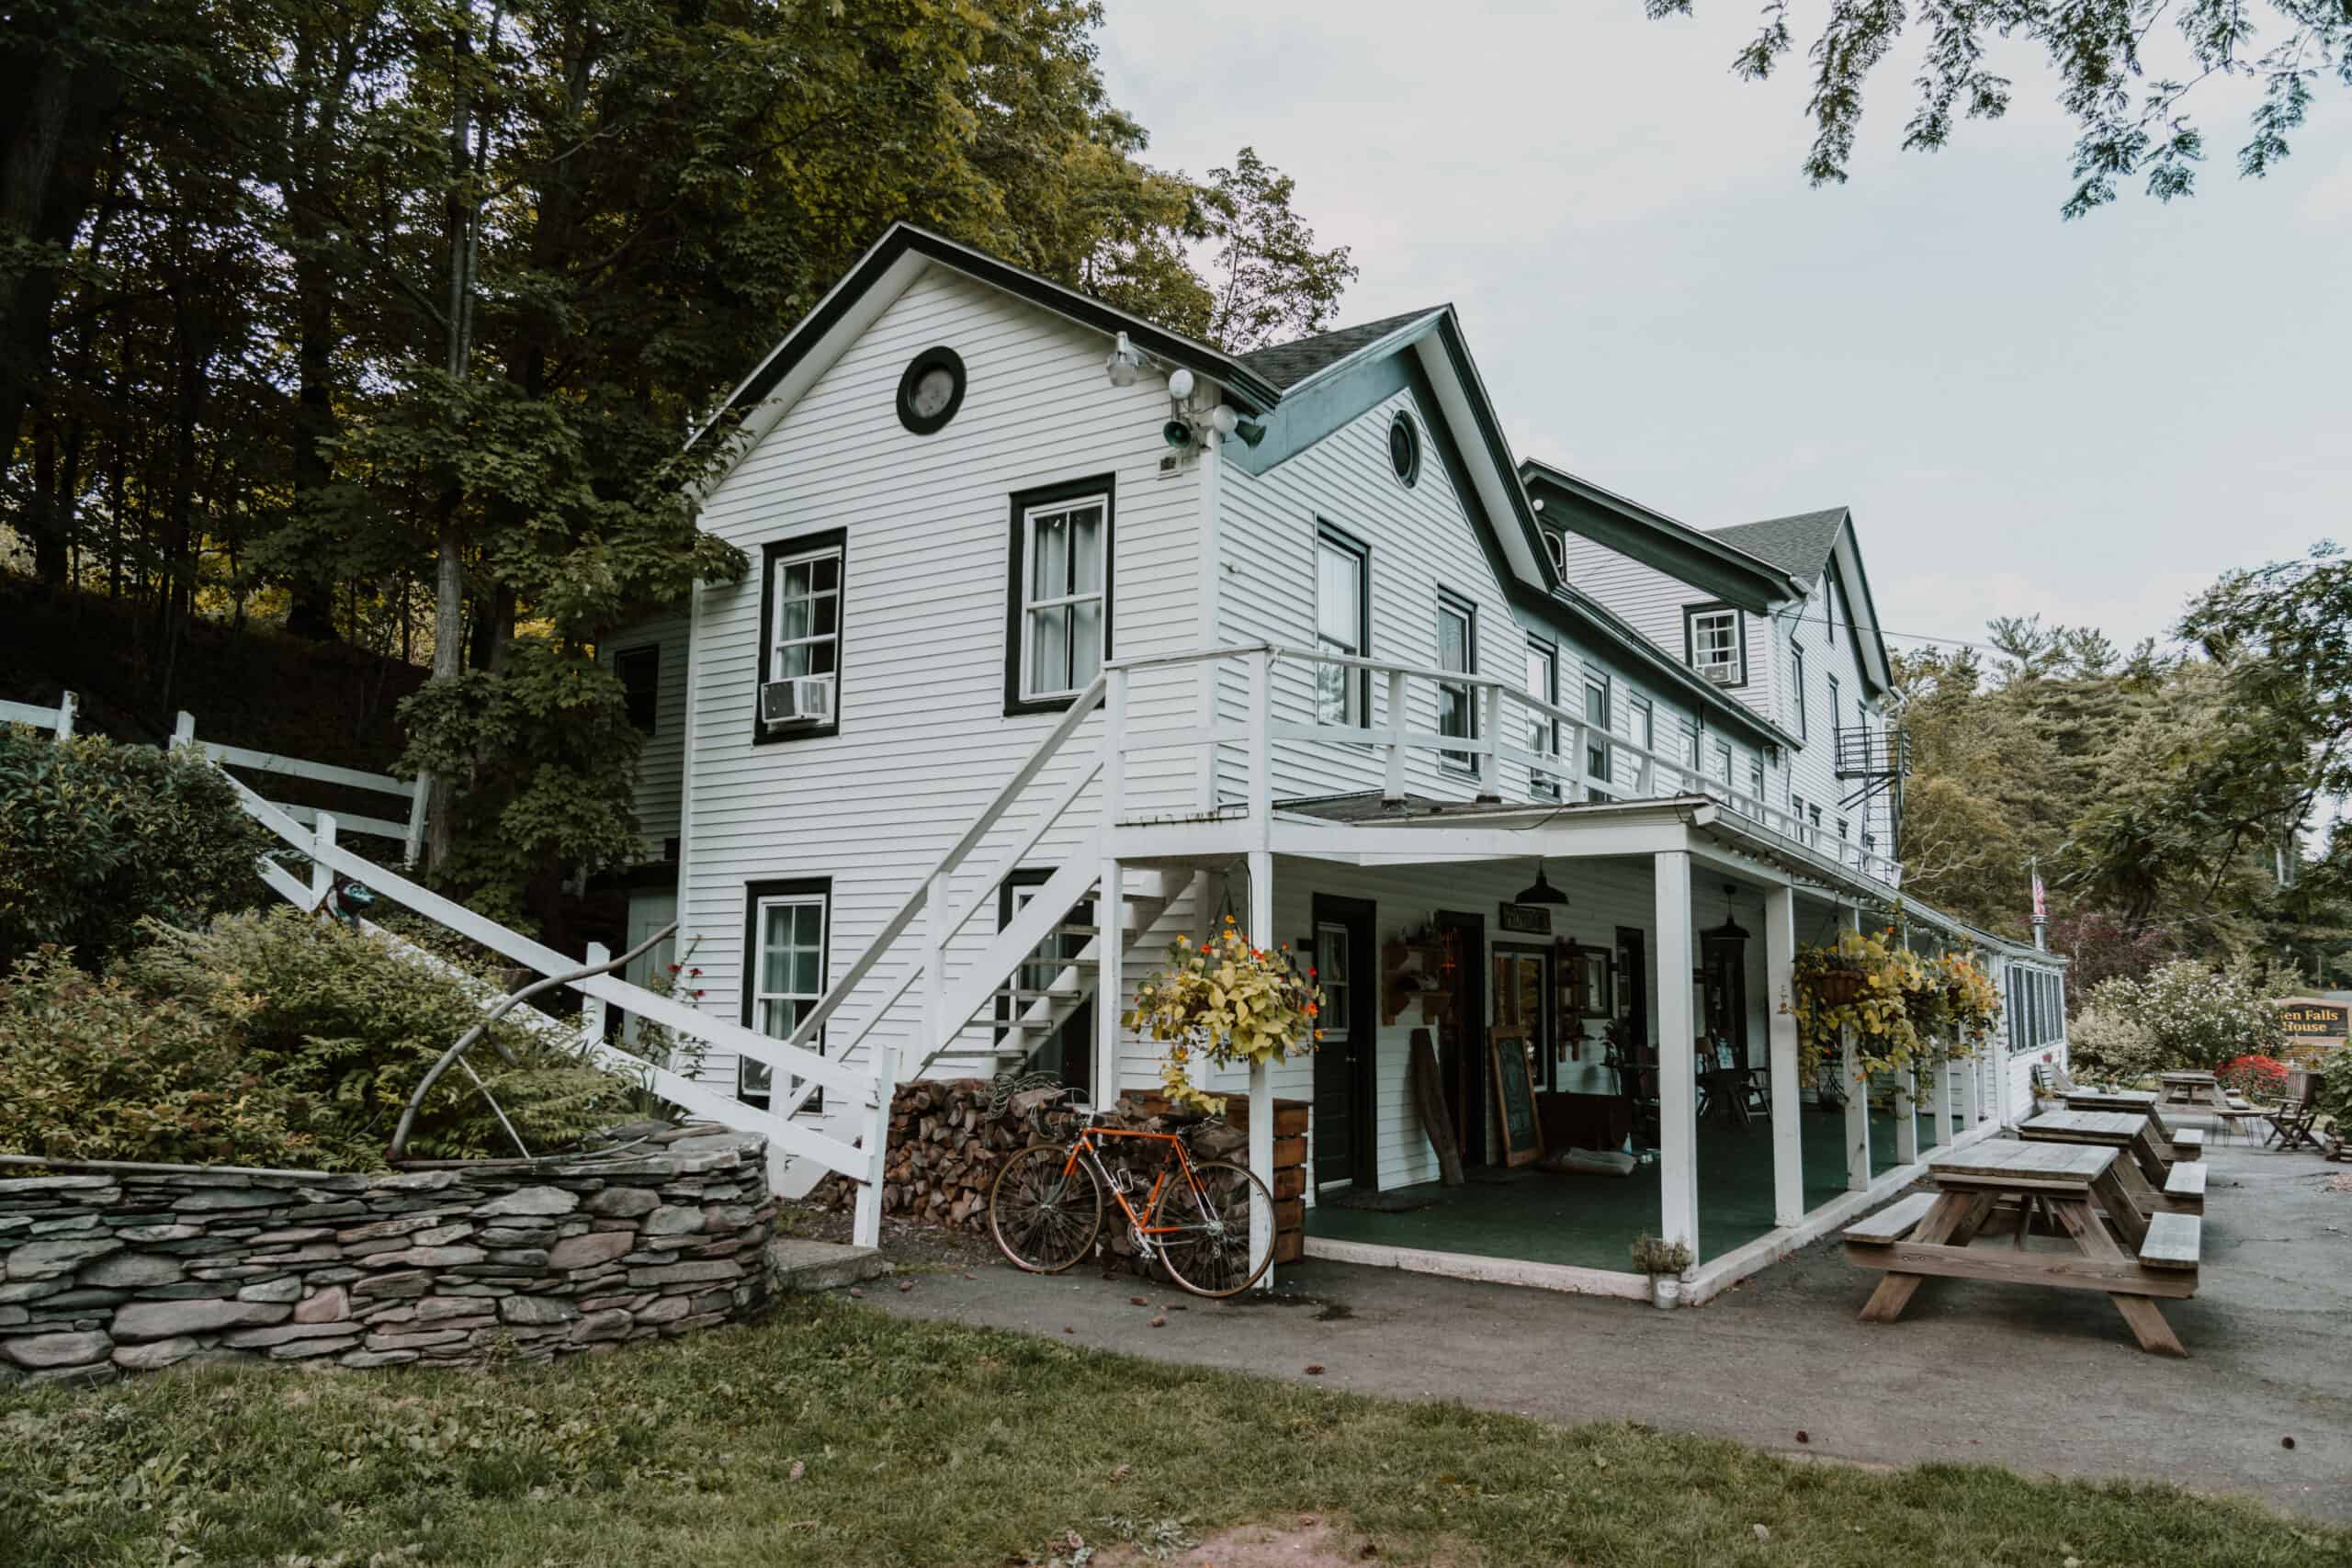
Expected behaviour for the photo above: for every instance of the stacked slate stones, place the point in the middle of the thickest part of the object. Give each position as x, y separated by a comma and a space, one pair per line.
127, 1268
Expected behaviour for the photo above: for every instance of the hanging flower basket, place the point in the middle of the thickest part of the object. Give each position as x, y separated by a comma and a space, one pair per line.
1838, 988
1229, 1002
1857, 989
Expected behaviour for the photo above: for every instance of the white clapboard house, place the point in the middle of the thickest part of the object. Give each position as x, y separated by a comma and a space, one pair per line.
1065, 636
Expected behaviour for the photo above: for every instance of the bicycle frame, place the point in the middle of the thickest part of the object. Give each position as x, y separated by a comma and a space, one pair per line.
1087, 1144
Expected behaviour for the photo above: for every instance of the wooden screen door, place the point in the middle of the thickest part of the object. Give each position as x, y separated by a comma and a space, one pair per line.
1347, 971
1522, 992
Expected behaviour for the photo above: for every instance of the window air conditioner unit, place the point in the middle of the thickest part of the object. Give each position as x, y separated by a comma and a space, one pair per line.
1721, 674
802, 699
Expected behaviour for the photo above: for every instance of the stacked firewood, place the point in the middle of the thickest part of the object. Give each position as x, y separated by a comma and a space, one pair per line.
948, 1139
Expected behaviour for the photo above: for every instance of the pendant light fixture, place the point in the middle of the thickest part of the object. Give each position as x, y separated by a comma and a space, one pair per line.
1540, 891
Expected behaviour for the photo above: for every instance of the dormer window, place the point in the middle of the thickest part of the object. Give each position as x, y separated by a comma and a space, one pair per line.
1717, 644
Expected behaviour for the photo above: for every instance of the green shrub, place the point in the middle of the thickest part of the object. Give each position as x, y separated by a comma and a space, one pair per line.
274, 1038
91, 1069
2183, 1015
97, 837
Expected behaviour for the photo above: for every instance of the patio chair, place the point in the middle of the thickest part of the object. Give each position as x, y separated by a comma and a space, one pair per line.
2292, 1124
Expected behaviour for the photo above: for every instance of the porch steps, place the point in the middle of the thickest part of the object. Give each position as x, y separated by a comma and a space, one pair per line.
799, 1265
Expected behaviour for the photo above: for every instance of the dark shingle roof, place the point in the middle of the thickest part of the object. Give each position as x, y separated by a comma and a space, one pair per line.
1288, 364
1798, 546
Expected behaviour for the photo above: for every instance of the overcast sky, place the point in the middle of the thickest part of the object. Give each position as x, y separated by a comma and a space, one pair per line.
2086, 420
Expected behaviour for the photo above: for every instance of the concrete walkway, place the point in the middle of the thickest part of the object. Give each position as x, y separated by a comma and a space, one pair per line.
2041, 1380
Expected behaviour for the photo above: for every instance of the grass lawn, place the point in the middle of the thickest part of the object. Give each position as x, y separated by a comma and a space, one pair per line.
834, 1435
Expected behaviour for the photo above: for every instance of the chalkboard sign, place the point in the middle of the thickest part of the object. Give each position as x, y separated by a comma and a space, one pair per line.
1515, 1098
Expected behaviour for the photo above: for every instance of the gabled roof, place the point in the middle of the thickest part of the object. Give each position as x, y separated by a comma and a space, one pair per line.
1705, 560
883, 273
1287, 363
1799, 545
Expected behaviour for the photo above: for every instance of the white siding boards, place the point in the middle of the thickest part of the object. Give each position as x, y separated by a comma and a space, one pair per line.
921, 738
657, 646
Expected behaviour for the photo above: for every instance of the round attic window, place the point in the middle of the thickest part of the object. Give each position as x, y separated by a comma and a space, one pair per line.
1405, 449
932, 390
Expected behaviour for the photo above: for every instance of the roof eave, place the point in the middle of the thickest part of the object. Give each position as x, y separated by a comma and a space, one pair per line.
1666, 543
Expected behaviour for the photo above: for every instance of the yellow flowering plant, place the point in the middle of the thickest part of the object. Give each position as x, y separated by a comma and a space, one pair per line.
1230, 1002
1902, 1010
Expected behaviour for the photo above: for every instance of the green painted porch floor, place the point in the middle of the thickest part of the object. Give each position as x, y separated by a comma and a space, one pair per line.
1590, 1221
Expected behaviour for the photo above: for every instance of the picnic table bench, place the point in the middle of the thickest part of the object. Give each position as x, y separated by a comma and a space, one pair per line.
2146, 1178
2145, 1258
2173, 1142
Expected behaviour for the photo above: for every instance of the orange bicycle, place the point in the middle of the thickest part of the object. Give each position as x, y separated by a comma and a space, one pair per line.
1210, 1223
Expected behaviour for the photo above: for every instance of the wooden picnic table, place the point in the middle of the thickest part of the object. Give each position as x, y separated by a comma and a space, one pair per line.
2193, 1088
2143, 1258
2154, 1182
2173, 1144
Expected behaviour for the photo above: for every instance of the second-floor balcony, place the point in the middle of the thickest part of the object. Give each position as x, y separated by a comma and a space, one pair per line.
1289, 723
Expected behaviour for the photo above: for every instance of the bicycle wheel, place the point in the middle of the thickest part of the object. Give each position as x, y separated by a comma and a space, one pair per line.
1044, 1211
1226, 1235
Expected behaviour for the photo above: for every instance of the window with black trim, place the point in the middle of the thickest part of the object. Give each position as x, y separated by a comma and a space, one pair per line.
1543, 729
1598, 753
1059, 630
1556, 545
786, 927
1715, 640
1796, 687
1644, 721
1342, 624
1755, 807
1686, 750
1457, 650
931, 390
1836, 719
1405, 449
800, 644
1722, 765
638, 670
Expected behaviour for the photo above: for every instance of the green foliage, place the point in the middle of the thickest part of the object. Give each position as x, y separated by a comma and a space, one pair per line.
276, 1039
2184, 1015
546, 761
96, 1069
97, 837
2121, 82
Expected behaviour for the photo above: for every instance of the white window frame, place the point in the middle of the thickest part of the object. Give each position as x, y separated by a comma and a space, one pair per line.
778, 642
1543, 729
1601, 744
1735, 640
1796, 685
1466, 611
1099, 596
754, 1077
1353, 685
1337, 1009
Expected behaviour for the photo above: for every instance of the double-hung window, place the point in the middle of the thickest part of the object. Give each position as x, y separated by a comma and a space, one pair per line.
1342, 614
1722, 765
803, 589
1060, 629
1599, 752
1796, 687
1834, 716
1686, 752
638, 670
1457, 651
786, 927
1716, 650
1543, 729
1755, 807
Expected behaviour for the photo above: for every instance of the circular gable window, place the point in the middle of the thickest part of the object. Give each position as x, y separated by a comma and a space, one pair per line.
932, 390
1405, 449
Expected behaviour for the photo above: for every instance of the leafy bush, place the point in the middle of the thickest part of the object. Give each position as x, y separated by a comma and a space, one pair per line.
91, 1069
276, 1039
2183, 1015
2109, 1042
2256, 1077
97, 837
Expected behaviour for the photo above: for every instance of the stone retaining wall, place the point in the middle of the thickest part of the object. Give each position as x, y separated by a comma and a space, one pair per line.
126, 1268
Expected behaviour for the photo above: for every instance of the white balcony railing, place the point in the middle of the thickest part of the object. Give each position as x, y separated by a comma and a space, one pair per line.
1523, 748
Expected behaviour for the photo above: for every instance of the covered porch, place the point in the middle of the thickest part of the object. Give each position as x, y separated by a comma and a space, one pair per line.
1673, 925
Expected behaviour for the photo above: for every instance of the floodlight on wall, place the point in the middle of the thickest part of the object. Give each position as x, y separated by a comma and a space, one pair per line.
1540, 891
1223, 419
1180, 383
1126, 363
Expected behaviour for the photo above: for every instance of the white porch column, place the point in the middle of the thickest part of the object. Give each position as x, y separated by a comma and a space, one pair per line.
1906, 1116
1953, 1125
1787, 1133
1110, 980
1972, 1088
1858, 1098
1262, 1088
1678, 1079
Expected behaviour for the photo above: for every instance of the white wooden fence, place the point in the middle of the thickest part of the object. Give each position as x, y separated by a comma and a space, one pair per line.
407, 831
